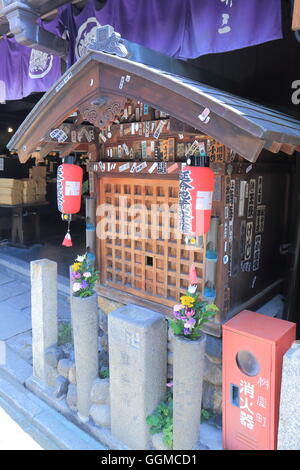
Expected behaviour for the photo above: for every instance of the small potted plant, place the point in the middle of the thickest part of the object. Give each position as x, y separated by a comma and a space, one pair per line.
188, 363
84, 314
84, 277
190, 315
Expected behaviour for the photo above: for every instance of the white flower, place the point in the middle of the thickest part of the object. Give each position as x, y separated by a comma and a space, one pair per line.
76, 286
80, 259
87, 274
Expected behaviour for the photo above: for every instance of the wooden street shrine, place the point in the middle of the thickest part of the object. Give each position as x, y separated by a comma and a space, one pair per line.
139, 125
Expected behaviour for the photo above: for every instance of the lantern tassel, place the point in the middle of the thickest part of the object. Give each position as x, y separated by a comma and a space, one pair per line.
67, 240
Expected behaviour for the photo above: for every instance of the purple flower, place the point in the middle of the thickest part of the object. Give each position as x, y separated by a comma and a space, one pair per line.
176, 311
76, 275
190, 313
84, 284
190, 323
177, 308
186, 331
76, 286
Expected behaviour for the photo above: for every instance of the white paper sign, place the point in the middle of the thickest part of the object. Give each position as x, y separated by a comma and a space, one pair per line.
204, 200
72, 188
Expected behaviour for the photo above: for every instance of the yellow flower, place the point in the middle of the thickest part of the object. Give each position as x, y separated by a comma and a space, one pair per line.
187, 300
76, 266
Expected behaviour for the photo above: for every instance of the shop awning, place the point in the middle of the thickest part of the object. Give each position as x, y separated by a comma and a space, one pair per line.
96, 86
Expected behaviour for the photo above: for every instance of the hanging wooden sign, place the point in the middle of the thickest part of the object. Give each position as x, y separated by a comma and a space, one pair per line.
195, 199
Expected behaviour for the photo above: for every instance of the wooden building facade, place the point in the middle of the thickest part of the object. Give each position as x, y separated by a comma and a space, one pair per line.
139, 124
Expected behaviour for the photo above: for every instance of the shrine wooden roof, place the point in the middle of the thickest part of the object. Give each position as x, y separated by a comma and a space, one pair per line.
96, 87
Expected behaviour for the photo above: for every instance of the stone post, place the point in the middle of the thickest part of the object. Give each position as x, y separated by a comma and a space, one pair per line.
188, 368
289, 415
137, 366
85, 332
43, 313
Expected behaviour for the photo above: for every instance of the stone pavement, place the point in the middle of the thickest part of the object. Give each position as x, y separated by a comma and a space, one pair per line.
15, 314
46, 426
35, 416
13, 436
26, 421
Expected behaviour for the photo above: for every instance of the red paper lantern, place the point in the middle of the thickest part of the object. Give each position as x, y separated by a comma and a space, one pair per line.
195, 199
69, 188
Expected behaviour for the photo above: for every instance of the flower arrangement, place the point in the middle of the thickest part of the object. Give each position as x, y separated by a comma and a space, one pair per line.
190, 315
192, 312
84, 276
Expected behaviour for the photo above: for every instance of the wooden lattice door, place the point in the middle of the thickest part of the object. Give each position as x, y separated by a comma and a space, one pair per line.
137, 254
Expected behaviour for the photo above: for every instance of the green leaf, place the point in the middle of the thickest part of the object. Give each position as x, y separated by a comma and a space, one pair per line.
205, 415
212, 307
104, 373
177, 326
85, 187
168, 436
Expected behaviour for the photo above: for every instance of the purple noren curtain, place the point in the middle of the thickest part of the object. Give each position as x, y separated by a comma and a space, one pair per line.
179, 28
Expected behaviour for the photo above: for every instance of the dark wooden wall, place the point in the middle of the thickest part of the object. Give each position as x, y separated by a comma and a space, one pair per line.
262, 73
12, 114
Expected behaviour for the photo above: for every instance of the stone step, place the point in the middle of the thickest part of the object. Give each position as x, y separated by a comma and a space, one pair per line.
49, 422
16, 367
22, 434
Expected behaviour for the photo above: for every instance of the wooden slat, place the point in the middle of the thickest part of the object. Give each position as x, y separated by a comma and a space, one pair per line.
143, 228
166, 243
121, 215
68, 149
178, 264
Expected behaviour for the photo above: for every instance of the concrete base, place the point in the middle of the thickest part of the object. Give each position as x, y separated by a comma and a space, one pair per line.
103, 435
188, 367
51, 424
85, 332
137, 366
289, 427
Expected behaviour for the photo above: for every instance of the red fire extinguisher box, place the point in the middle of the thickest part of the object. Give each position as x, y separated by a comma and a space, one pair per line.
253, 349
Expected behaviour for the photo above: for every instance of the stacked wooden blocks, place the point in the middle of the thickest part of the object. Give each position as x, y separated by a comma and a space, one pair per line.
11, 191
38, 175
29, 191
24, 191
